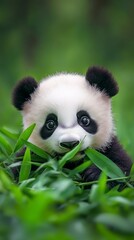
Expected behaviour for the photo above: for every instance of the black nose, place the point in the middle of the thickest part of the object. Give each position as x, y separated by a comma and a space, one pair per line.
69, 145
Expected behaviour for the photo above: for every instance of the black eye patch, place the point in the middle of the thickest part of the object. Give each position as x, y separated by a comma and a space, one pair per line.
86, 122
49, 126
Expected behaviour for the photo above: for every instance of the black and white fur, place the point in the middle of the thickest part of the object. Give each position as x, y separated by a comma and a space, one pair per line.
69, 108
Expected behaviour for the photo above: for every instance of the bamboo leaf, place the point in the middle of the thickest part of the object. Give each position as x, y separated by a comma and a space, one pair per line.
23, 137
119, 223
25, 166
40, 152
70, 155
104, 163
132, 172
5, 144
9, 133
81, 168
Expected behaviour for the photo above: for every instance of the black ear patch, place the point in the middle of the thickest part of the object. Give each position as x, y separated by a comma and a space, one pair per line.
103, 80
22, 92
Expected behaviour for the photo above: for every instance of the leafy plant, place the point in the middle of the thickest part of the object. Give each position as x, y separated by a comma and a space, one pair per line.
50, 201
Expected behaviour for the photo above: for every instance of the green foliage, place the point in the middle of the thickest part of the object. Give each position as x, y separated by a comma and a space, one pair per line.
51, 201
106, 165
23, 137
25, 166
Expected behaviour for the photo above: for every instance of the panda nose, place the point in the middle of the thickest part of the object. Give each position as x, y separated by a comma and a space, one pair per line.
69, 145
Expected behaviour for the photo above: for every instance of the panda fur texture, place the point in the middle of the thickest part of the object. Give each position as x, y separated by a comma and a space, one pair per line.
69, 108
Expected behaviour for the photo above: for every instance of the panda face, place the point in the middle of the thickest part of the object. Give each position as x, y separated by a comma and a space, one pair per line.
67, 138
67, 110
83, 119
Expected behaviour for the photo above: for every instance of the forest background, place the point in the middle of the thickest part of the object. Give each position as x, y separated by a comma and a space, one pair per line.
40, 38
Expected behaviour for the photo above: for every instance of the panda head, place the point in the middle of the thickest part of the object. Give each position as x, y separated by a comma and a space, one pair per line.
68, 109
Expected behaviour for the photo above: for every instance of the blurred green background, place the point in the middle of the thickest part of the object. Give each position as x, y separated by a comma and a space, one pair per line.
40, 38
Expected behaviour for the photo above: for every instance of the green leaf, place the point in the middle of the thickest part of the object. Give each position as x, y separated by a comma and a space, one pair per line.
98, 190
40, 152
105, 164
132, 173
102, 183
70, 155
5, 144
9, 133
64, 187
7, 183
5, 180
81, 167
121, 201
124, 225
51, 164
23, 137
25, 166
94, 194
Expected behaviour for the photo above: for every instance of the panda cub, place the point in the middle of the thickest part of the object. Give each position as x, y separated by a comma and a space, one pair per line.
70, 108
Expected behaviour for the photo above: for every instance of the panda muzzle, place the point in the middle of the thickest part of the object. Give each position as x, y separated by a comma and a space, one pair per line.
69, 144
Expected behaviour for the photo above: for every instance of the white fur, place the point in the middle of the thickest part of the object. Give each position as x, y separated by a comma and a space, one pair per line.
65, 95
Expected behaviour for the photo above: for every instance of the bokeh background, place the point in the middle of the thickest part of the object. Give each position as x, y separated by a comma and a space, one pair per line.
40, 38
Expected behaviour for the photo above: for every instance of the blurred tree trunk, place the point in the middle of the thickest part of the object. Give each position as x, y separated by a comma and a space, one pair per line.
97, 9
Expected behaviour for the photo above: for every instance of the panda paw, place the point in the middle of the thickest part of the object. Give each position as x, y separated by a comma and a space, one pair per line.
91, 174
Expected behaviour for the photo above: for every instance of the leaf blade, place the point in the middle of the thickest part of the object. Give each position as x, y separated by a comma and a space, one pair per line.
25, 166
105, 164
23, 136
69, 155
5, 144
40, 152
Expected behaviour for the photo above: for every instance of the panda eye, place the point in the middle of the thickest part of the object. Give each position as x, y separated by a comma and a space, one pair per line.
50, 124
84, 121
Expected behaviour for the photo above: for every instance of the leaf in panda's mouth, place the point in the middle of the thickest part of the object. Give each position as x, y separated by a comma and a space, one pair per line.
69, 155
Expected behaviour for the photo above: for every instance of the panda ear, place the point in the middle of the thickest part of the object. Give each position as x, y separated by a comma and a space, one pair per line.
103, 80
22, 92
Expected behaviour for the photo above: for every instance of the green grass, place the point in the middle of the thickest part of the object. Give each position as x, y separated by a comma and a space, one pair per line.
52, 201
